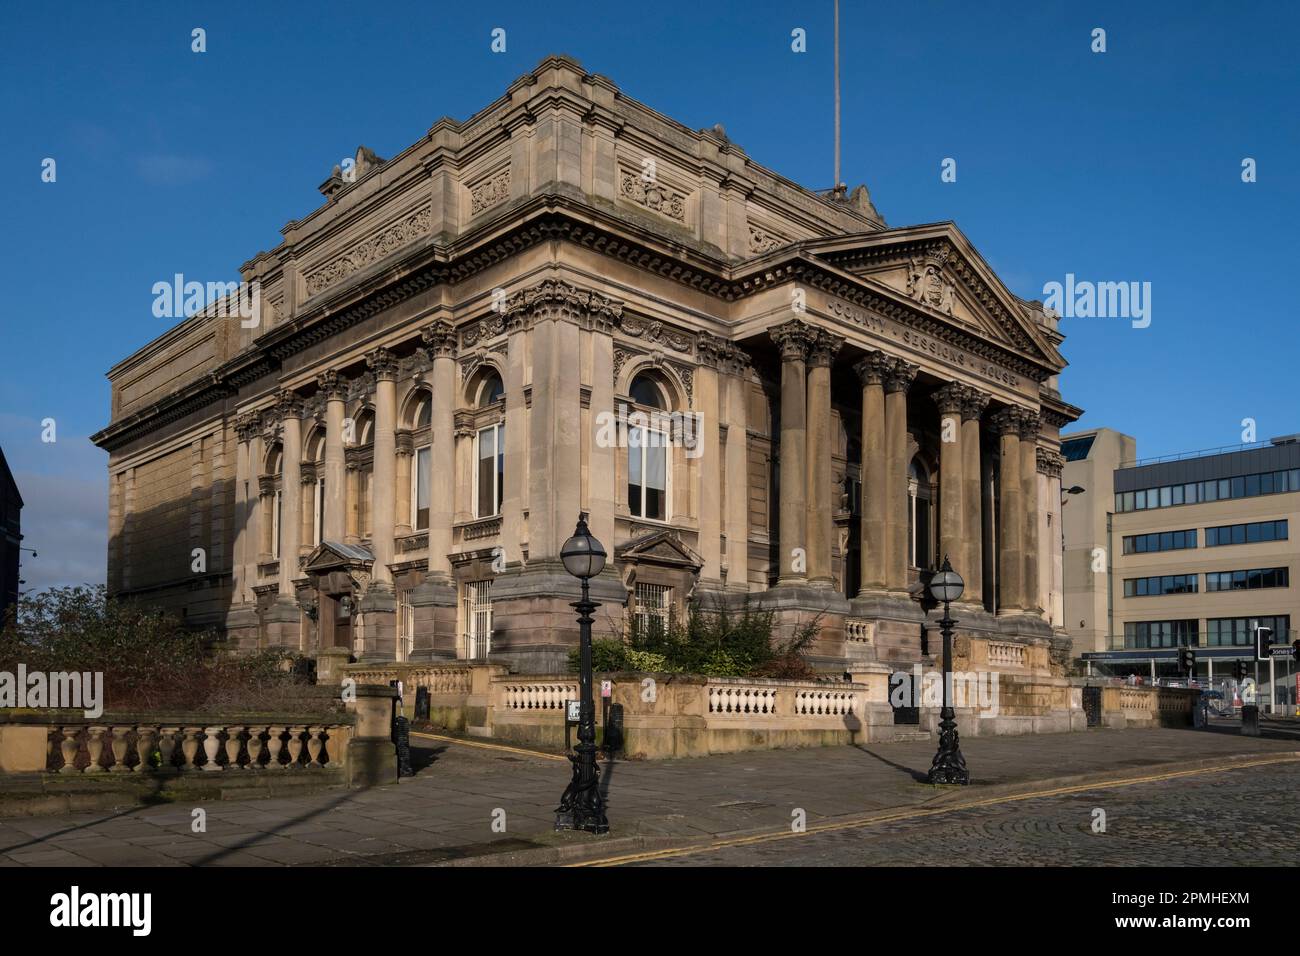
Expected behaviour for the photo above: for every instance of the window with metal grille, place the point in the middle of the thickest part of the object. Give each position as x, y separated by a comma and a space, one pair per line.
405, 626
478, 620
654, 609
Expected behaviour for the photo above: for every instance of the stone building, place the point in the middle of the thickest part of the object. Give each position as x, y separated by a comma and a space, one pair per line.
567, 303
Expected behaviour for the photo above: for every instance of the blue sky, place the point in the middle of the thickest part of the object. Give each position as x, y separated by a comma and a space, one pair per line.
1120, 166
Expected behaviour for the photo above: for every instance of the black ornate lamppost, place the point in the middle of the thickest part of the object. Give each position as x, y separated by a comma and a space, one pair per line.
582, 807
949, 765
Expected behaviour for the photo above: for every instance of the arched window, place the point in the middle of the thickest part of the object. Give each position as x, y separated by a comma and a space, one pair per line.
920, 514
421, 417
491, 390
364, 468
271, 505
316, 455
649, 450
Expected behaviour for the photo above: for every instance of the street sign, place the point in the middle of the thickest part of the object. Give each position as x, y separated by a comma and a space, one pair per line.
606, 688
1281, 651
573, 711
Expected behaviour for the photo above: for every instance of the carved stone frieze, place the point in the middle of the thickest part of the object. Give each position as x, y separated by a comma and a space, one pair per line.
489, 191
653, 195
378, 246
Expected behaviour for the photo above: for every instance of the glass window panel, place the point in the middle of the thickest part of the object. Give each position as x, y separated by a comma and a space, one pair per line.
1252, 533
1166, 497
486, 472
1225, 488
1209, 491
1166, 540
1128, 501
1251, 484
1178, 494
423, 458
1265, 484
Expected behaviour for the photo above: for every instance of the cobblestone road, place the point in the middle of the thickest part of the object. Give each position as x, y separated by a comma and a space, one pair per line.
1235, 818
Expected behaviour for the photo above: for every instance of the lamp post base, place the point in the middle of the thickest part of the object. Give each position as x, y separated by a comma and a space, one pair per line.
582, 807
949, 766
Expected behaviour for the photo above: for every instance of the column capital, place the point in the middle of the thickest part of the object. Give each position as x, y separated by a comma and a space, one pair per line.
793, 338
1030, 423
1049, 463
973, 405
266, 485
711, 350
872, 368
247, 426
736, 361
950, 398
823, 347
288, 404
383, 364
900, 375
1006, 421
439, 339
463, 423
333, 385
403, 442
307, 473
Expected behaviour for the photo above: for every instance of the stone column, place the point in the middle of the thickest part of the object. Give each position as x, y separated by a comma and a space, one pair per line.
1050, 465
289, 408
821, 496
737, 469
1030, 424
334, 387
1011, 564
440, 340
898, 379
266, 538
306, 501
973, 498
952, 481
793, 338
245, 428
874, 548
708, 453
384, 477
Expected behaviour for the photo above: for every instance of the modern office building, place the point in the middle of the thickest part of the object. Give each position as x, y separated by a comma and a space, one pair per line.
569, 303
1192, 550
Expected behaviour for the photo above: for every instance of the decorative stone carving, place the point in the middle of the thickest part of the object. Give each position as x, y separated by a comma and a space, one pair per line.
247, 426
974, 404
403, 443
557, 300
370, 250
762, 241
710, 350
654, 196
288, 404
900, 375
927, 282
1030, 424
1049, 462
950, 398
463, 423
823, 347
382, 364
654, 331
332, 385
440, 339
1006, 421
489, 191
620, 359
873, 368
793, 339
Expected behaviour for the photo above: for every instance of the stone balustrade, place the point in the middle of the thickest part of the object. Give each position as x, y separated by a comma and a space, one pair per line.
734, 699
436, 678
1005, 654
547, 694
859, 630
825, 703
204, 746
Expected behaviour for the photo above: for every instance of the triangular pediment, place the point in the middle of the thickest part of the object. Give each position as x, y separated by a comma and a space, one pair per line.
937, 270
660, 547
329, 555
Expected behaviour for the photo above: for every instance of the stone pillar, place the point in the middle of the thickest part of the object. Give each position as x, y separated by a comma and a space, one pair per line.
602, 463
404, 448
793, 338
266, 489
440, 339
952, 481
708, 455
737, 470
1011, 565
306, 501
289, 407
973, 497
1051, 571
821, 496
1030, 424
334, 387
351, 500
245, 429
384, 478
898, 379
875, 470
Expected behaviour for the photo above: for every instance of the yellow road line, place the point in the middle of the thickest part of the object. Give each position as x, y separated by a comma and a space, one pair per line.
486, 746
891, 817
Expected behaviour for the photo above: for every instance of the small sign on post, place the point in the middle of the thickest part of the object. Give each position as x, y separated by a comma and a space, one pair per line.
606, 688
572, 711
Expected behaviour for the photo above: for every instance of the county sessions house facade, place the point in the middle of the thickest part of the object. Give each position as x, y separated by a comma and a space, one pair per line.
571, 303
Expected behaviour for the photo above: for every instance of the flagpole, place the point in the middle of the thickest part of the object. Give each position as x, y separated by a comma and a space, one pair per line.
837, 97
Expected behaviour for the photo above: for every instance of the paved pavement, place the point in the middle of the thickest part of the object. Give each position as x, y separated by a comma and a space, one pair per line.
473, 804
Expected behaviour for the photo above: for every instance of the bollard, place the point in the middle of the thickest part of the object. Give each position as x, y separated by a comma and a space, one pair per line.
1250, 720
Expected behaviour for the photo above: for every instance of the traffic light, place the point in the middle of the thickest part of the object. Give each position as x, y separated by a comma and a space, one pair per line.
1295, 649
1187, 660
1263, 640
1239, 671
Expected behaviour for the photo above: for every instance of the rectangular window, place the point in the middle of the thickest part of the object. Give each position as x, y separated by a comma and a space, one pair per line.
647, 473
275, 527
1128, 501
405, 627
654, 604
1251, 533
1164, 584
1166, 497
489, 485
1159, 541
478, 620
318, 511
420, 479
